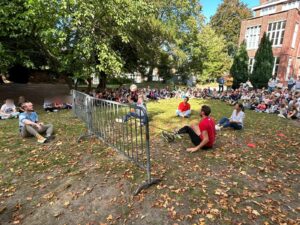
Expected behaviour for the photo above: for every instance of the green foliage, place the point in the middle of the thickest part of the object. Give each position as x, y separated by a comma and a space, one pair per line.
263, 65
210, 51
239, 69
108, 38
227, 22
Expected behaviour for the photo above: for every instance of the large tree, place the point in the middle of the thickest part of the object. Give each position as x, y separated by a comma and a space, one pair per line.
264, 62
210, 50
239, 69
227, 22
75, 38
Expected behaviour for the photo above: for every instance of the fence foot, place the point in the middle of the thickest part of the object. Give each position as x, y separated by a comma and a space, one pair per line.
146, 185
84, 136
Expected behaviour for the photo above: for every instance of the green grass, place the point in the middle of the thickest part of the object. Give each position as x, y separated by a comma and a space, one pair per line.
223, 185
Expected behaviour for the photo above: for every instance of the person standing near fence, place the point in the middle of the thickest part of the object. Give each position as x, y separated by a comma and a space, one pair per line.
29, 125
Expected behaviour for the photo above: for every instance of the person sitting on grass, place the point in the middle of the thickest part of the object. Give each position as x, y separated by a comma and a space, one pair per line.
8, 110
135, 111
292, 114
29, 125
236, 121
184, 108
203, 134
21, 101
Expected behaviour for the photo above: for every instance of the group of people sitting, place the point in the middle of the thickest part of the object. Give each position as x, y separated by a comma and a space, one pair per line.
203, 134
29, 124
9, 110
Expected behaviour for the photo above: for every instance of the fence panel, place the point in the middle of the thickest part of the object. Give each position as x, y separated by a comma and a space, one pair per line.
124, 128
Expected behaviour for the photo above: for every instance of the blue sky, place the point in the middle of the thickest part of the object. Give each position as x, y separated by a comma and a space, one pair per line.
210, 6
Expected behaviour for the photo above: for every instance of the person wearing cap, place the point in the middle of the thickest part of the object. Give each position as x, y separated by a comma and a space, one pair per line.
184, 108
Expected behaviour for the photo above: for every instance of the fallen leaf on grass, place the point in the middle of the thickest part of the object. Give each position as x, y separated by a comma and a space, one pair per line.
255, 212
109, 218
67, 203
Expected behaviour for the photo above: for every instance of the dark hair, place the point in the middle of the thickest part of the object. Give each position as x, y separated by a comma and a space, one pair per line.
187, 98
206, 109
241, 106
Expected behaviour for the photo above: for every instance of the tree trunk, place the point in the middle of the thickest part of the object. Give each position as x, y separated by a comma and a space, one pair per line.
1, 80
102, 80
150, 74
69, 81
89, 80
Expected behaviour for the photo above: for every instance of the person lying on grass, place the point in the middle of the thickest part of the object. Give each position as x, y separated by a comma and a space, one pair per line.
236, 121
184, 108
29, 125
203, 134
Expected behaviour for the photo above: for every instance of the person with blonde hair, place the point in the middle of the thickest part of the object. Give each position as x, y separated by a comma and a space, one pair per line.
29, 125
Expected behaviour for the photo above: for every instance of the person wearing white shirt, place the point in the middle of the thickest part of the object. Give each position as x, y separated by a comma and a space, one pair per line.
272, 84
8, 110
236, 121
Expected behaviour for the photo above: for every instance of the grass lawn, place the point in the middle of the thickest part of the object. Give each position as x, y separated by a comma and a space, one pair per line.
65, 182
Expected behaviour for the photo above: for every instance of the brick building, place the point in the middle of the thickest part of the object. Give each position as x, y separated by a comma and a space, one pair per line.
280, 19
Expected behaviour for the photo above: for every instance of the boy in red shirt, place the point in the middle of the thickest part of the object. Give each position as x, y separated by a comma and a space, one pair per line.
202, 135
184, 108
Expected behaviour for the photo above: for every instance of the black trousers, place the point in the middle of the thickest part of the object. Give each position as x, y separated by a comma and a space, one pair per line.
194, 137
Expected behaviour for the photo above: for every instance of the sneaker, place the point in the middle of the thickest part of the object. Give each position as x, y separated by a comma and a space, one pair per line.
50, 138
118, 120
218, 127
175, 133
168, 137
42, 140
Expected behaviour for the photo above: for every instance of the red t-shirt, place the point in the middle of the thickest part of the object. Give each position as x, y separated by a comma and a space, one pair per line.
184, 107
208, 124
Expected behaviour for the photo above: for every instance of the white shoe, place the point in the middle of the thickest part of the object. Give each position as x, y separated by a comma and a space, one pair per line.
217, 127
119, 120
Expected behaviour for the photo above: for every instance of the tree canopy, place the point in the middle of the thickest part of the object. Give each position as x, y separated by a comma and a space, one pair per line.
239, 69
227, 22
264, 62
81, 38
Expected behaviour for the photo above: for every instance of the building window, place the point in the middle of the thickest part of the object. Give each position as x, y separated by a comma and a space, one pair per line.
276, 32
291, 5
276, 66
252, 37
251, 65
295, 35
288, 69
268, 10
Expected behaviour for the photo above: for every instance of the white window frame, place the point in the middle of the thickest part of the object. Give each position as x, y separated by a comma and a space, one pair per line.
251, 64
291, 5
288, 69
252, 36
295, 35
277, 32
276, 65
268, 10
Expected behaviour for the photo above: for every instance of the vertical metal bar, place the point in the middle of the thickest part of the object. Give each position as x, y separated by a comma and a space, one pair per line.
142, 144
136, 139
127, 133
131, 138
148, 150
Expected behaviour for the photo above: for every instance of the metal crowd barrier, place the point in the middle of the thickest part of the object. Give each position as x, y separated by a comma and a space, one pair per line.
102, 118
